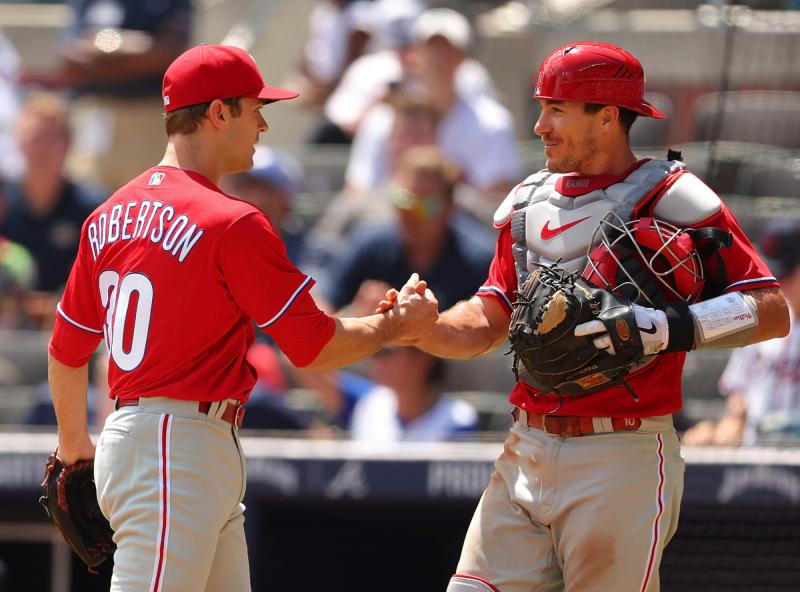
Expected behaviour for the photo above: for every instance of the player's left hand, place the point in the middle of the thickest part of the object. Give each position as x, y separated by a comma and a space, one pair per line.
369, 292
652, 324
387, 302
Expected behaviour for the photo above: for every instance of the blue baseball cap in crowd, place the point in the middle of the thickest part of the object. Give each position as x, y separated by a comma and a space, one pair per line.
780, 248
276, 169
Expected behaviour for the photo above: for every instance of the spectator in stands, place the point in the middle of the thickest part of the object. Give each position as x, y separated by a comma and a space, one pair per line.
272, 186
115, 57
414, 125
411, 122
99, 404
354, 257
338, 32
762, 381
44, 209
17, 275
368, 79
405, 403
266, 406
365, 81
11, 163
425, 236
335, 394
475, 132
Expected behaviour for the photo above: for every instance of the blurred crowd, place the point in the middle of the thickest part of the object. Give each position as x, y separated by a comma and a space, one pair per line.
432, 152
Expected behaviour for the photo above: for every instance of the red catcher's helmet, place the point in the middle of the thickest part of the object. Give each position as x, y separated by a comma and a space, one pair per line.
590, 72
648, 261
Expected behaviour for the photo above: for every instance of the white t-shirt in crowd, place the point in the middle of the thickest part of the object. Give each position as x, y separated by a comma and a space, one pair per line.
367, 79
375, 419
767, 374
329, 28
477, 135
11, 161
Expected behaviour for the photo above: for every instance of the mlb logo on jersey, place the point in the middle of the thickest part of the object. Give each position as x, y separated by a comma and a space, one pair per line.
156, 178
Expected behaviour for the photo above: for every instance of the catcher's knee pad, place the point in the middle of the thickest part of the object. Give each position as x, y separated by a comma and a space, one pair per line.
465, 583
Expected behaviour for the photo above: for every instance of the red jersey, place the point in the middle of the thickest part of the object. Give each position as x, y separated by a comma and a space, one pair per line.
171, 272
658, 384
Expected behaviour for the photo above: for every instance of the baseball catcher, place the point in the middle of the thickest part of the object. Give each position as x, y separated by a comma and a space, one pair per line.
70, 499
610, 270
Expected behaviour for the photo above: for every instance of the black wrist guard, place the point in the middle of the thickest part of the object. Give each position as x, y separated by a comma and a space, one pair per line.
681, 327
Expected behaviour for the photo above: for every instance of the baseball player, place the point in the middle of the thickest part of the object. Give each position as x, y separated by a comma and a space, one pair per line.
586, 493
172, 273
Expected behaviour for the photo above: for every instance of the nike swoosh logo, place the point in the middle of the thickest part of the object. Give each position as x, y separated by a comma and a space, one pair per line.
651, 330
548, 233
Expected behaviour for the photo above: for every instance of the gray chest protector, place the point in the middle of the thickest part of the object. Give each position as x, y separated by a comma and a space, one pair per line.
548, 227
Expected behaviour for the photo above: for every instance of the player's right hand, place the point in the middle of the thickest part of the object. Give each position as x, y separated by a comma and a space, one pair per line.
415, 307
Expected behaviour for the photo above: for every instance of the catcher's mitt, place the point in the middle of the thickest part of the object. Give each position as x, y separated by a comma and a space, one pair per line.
69, 497
550, 304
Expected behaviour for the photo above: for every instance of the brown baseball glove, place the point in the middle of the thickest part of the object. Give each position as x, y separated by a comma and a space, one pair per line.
69, 497
550, 304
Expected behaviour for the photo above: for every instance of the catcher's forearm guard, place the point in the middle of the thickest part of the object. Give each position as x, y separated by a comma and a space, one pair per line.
69, 497
550, 304
729, 320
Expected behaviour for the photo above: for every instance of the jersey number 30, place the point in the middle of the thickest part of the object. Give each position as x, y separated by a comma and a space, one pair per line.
117, 296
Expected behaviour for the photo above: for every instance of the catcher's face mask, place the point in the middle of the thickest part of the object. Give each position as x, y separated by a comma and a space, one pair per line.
648, 261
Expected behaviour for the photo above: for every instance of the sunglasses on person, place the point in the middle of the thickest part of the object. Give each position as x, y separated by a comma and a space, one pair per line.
422, 205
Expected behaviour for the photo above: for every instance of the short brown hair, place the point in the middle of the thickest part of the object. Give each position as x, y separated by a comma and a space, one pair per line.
187, 119
50, 106
429, 160
404, 103
626, 116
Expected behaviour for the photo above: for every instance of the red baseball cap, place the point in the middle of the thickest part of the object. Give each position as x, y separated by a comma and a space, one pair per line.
207, 72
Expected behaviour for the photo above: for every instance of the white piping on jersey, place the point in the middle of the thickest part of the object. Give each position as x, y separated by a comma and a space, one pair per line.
287, 305
76, 323
497, 291
469, 583
750, 281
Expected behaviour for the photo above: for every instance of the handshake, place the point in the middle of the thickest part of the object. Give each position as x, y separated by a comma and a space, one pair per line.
412, 310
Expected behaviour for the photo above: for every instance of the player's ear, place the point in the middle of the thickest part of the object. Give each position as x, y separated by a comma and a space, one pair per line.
216, 113
608, 116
